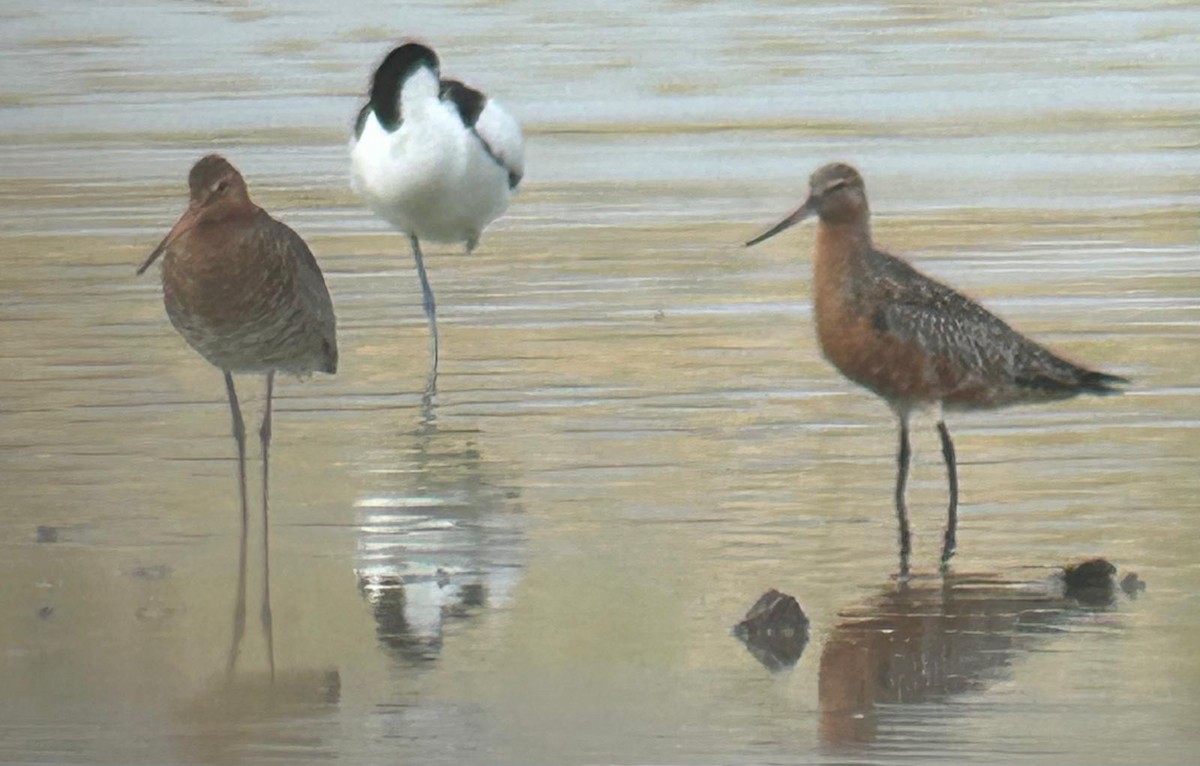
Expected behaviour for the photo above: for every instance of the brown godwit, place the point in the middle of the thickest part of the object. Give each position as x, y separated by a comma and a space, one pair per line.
245, 291
915, 341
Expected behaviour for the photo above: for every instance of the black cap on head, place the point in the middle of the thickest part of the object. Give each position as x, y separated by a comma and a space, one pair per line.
390, 75
407, 57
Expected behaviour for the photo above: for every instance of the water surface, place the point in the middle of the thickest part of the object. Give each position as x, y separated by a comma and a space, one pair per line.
635, 434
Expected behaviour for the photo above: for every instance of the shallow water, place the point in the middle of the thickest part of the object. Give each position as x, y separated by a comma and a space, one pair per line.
635, 434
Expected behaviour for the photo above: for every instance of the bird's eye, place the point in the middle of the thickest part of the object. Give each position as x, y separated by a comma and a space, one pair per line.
219, 187
838, 184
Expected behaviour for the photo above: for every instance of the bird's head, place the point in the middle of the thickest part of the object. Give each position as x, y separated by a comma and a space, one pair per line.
836, 194
396, 69
217, 191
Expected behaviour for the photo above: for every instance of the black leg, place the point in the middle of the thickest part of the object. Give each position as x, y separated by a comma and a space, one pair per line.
430, 311
265, 436
239, 608
952, 514
902, 459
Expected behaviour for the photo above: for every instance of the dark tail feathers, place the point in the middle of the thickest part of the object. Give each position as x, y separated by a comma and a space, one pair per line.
331, 356
1092, 382
1072, 381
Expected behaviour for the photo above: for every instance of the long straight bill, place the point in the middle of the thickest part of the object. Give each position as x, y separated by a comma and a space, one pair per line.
795, 217
185, 222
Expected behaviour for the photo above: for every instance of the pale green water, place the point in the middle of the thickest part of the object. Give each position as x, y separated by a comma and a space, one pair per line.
635, 434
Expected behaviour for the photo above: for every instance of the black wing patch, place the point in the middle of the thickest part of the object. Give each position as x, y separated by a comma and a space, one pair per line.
514, 177
468, 101
470, 104
360, 122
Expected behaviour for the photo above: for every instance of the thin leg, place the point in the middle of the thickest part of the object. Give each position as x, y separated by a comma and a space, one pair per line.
903, 459
952, 513
428, 412
239, 608
265, 436
430, 311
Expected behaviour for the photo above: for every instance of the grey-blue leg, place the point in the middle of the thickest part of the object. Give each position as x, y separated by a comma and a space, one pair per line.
430, 309
265, 436
239, 608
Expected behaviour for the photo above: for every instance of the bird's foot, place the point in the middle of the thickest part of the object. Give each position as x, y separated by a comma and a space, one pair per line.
947, 554
949, 544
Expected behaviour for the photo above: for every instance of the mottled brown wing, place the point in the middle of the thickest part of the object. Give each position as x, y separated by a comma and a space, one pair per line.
315, 303
973, 343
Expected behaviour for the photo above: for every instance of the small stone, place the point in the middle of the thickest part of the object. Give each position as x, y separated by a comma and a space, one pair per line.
775, 630
1090, 582
1132, 584
1093, 573
46, 534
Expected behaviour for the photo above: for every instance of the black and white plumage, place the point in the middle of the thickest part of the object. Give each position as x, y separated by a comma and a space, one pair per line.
435, 158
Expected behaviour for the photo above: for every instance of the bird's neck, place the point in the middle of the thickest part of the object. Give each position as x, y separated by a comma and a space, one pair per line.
239, 212
839, 244
841, 249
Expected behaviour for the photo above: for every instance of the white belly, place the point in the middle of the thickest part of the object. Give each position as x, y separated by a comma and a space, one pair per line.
430, 178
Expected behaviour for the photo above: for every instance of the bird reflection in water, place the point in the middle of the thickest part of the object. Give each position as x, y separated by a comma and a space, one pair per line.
244, 716
246, 293
923, 641
439, 547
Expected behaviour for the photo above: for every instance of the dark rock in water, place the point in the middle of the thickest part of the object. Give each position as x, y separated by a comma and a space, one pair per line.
45, 612
1090, 582
1089, 574
1132, 584
775, 630
774, 611
47, 534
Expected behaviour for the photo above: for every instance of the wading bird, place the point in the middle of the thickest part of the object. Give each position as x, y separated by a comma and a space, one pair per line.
914, 341
436, 159
246, 293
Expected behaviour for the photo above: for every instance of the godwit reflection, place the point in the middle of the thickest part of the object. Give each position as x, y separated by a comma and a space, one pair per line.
254, 712
922, 641
439, 546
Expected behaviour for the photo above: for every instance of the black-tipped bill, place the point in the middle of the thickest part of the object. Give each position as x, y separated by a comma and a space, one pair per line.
795, 217
185, 222
153, 257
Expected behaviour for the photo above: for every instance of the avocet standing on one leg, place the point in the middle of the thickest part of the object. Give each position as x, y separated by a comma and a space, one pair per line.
435, 158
